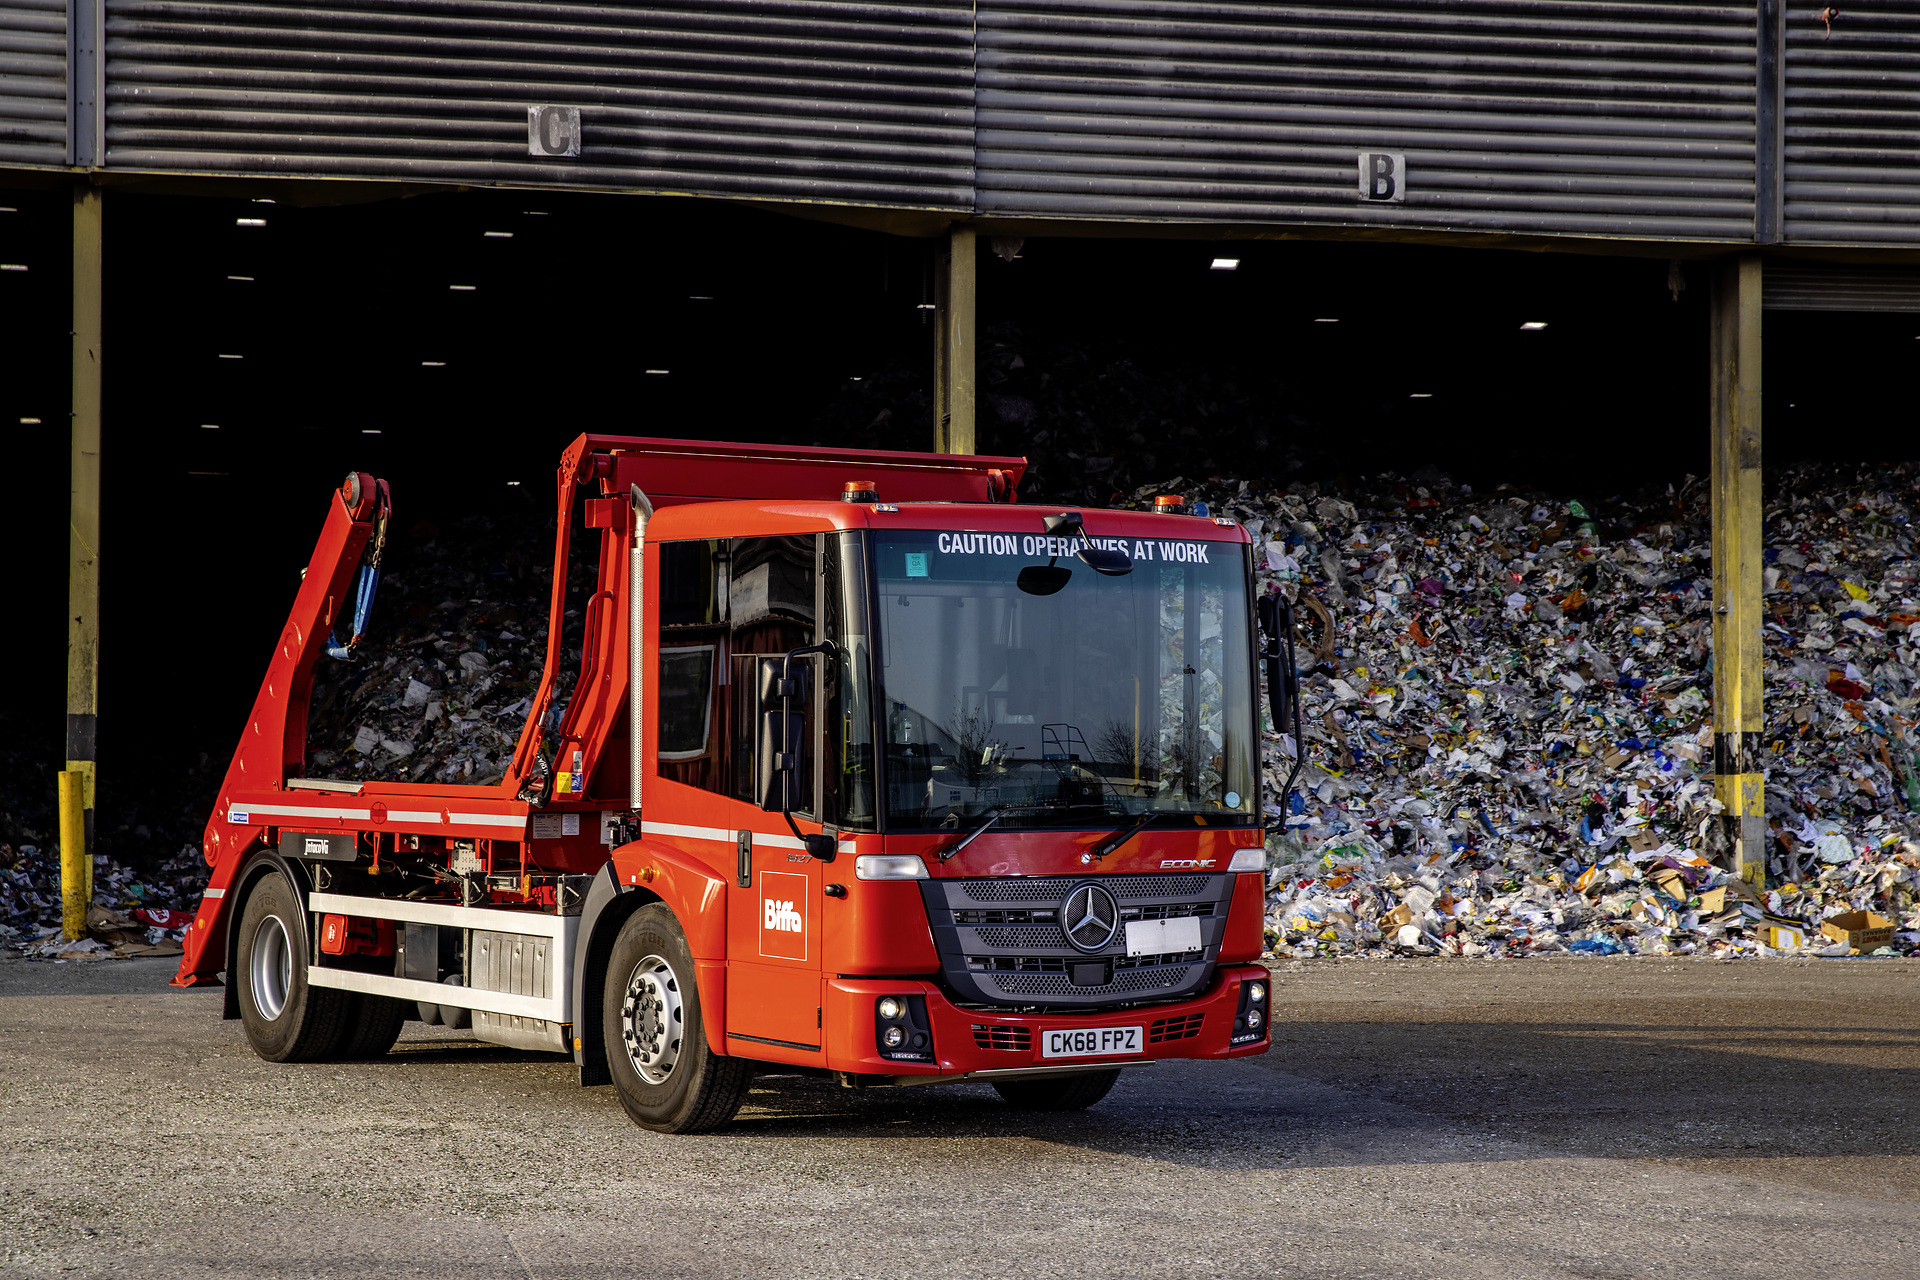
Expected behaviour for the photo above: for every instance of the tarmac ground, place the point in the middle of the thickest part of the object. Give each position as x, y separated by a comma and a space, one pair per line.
1583, 1118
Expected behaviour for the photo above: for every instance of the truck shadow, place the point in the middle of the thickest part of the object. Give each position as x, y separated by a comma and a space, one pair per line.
1831, 1100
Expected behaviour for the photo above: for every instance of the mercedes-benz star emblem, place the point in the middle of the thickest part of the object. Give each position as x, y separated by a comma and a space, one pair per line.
1091, 917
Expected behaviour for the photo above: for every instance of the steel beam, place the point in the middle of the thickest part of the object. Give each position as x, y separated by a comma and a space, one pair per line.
1738, 720
83, 530
955, 356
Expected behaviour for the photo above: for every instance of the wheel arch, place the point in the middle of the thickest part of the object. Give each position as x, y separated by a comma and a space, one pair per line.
258, 863
607, 907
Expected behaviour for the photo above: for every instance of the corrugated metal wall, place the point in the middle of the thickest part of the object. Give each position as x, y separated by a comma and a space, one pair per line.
1826, 286
33, 82
1627, 118
1853, 125
834, 100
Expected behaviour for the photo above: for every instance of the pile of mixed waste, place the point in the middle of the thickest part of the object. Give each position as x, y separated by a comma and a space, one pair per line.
1508, 747
132, 913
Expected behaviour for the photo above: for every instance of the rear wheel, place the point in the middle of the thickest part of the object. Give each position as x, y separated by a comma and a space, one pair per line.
1057, 1093
668, 1077
285, 1019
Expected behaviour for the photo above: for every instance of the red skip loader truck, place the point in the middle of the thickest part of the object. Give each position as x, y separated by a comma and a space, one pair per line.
864, 771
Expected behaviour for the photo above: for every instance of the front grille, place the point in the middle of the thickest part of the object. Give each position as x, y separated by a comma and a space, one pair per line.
1184, 1028
1000, 939
1125, 982
1015, 1039
1026, 938
1054, 888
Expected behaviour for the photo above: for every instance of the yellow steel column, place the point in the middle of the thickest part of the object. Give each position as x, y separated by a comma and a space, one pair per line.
1738, 720
76, 880
83, 537
960, 340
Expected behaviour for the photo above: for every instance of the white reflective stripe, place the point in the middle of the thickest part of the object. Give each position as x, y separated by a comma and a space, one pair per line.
379, 984
311, 811
487, 820
538, 923
730, 837
213, 893
433, 816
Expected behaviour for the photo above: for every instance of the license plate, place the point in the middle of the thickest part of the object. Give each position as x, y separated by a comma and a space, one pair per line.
1091, 1042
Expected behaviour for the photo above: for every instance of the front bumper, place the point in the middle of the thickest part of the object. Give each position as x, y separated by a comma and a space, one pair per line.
972, 1044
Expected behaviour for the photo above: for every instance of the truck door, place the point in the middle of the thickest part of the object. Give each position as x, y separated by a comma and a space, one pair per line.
774, 917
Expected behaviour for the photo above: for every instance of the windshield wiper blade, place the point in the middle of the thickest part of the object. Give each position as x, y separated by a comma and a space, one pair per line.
974, 834
1113, 842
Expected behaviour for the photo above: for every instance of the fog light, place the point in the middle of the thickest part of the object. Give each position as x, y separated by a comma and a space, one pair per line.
894, 1037
1256, 991
1253, 1018
890, 1008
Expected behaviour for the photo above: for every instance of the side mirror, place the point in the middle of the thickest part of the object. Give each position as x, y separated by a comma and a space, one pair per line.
1276, 625
1043, 579
781, 689
779, 698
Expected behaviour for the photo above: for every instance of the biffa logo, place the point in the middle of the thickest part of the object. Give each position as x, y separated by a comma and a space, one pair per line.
782, 917
783, 914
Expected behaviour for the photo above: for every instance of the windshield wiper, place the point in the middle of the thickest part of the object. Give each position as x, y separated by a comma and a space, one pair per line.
1114, 841
974, 834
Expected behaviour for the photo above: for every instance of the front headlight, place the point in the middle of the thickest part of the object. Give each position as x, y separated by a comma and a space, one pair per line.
1248, 860
1256, 991
1253, 1018
890, 1008
889, 866
893, 1037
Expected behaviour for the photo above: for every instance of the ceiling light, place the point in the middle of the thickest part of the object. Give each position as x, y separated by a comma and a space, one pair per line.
13, 266
7, 208
534, 213
497, 235
699, 297
249, 222
1421, 395
226, 357
658, 373
369, 431
463, 288
1226, 264
248, 279
209, 426
1326, 320
1534, 325
261, 200
28, 422
433, 364
512, 483
926, 306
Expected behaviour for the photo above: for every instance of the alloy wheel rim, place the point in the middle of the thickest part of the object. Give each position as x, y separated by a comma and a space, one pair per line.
272, 967
653, 1020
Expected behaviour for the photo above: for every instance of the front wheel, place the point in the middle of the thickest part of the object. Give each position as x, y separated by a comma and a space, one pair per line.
667, 1075
1057, 1093
285, 1019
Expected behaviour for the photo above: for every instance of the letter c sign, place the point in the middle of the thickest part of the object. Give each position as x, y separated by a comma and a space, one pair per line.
553, 131
1383, 176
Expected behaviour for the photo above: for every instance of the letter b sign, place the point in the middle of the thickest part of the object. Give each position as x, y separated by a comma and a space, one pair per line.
1383, 176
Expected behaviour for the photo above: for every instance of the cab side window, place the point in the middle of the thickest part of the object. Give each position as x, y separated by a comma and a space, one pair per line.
726, 604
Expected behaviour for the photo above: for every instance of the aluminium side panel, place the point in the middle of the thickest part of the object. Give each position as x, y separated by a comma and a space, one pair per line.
1853, 125
847, 101
1632, 118
33, 82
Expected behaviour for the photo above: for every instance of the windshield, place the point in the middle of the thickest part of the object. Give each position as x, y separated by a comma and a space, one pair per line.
1111, 697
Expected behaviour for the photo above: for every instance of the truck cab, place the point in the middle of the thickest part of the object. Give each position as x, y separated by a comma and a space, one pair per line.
867, 771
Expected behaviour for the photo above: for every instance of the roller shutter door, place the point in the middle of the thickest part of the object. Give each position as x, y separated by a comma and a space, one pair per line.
1853, 125
33, 82
857, 103
1615, 119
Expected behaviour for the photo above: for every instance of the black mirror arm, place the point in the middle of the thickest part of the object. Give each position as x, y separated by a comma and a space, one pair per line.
822, 846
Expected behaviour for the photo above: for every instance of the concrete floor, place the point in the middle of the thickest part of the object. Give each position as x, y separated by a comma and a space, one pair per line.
1576, 1118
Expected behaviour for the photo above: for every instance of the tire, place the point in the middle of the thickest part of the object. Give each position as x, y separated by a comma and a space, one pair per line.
371, 1025
1058, 1093
285, 1019
668, 1077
